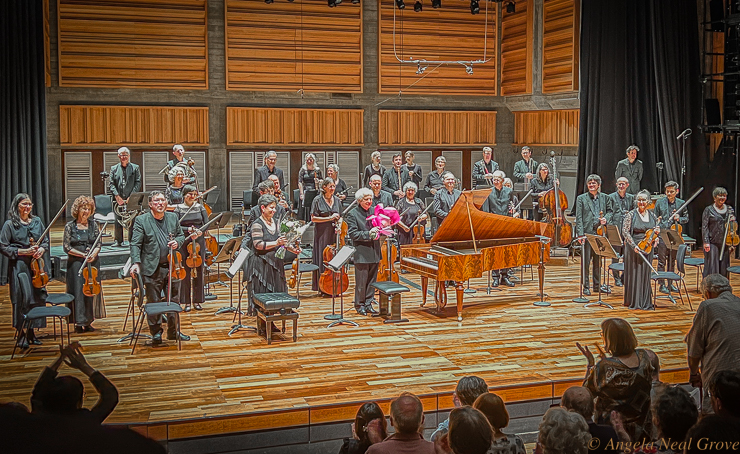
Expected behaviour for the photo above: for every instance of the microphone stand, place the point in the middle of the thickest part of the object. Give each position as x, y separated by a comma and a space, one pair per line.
581, 299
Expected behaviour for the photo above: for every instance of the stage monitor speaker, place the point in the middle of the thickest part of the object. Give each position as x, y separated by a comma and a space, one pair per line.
711, 108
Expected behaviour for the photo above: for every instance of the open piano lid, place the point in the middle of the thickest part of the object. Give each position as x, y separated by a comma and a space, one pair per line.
456, 226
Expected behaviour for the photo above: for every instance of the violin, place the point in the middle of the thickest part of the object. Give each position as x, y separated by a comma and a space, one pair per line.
294, 276
601, 229
386, 270
676, 227
91, 287
178, 271
194, 260
40, 278
555, 201
731, 238
328, 283
646, 244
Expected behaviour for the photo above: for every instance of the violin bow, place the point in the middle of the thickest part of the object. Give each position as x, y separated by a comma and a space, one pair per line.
89, 253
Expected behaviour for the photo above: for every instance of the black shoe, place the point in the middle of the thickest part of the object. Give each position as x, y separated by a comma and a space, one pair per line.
606, 289
157, 339
173, 336
361, 310
494, 283
586, 291
79, 329
663, 289
507, 282
89, 329
674, 288
369, 309
187, 307
618, 282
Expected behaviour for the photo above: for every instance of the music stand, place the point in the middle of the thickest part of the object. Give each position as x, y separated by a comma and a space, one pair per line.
138, 199
603, 249
212, 197
335, 265
580, 298
224, 255
225, 219
614, 236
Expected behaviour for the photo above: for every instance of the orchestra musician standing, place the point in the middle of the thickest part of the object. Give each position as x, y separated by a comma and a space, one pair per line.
713, 225
665, 209
325, 213
374, 168
395, 177
622, 202
174, 190
156, 234
277, 191
540, 184
366, 240
483, 169
266, 187
525, 169
15, 244
332, 171
308, 177
79, 236
124, 179
445, 199
178, 151
500, 201
192, 216
435, 179
410, 208
593, 208
269, 168
379, 195
638, 293
631, 168
413, 170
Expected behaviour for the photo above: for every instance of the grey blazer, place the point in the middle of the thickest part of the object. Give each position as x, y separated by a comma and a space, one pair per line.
132, 176
587, 213
144, 245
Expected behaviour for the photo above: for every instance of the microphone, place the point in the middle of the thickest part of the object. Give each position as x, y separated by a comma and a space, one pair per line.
686, 132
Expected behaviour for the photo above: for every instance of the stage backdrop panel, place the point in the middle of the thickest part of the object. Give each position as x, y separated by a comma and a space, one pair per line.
133, 43
517, 40
290, 46
436, 128
547, 127
560, 45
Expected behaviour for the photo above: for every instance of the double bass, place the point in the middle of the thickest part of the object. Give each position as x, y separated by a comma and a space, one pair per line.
328, 283
555, 201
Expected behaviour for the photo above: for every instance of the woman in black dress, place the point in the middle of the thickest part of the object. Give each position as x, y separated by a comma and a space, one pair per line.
192, 216
410, 208
79, 236
325, 212
539, 185
266, 271
15, 244
173, 193
414, 170
374, 168
638, 293
308, 176
332, 171
713, 222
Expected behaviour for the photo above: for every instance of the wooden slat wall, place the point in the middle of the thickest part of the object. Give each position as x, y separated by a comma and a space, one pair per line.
133, 43
93, 126
290, 46
447, 33
436, 128
560, 46
547, 127
259, 126
517, 36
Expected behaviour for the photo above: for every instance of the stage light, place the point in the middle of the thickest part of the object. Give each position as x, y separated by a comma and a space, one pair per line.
400, 4
355, 2
474, 7
333, 3
511, 7
436, 4
268, 1
417, 6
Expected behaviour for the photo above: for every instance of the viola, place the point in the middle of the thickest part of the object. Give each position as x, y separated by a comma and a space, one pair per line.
91, 287
676, 227
178, 271
601, 229
646, 244
40, 278
328, 283
555, 201
194, 260
418, 230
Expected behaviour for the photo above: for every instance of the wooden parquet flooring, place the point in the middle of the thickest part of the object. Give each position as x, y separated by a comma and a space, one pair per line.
529, 351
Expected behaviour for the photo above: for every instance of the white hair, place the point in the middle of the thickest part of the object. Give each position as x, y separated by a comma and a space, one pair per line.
362, 193
375, 176
123, 150
375, 154
441, 158
485, 149
447, 174
410, 184
499, 174
563, 432
269, 154
334, 167
178, 147
175, 171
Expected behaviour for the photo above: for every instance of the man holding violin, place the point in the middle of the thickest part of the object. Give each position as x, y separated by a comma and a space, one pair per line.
593, 208
665, 209
277, 191
156, 235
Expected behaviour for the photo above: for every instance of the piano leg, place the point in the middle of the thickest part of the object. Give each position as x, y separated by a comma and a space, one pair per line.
440, 295
460, 291
424, 287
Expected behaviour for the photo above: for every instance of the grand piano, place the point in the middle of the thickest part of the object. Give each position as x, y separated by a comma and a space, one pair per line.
470, 242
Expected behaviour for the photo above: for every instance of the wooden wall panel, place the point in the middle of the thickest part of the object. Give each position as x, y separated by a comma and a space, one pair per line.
560, 46
517, 36
133, 43
436, 128
547, 127
259, 126
449, 33
291, 46
95, 126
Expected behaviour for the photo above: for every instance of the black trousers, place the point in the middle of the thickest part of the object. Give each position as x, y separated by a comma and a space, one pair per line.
155, 287
365, 274
118, 230
590, 256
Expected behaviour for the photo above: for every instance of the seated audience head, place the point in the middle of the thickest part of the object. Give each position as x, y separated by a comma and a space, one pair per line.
580, 400
367, 413
407, 414
619, 339
674, 412
469, 431
468, 389
717, 430
64, 395
493, 408
714, 285
563, 432
724, 390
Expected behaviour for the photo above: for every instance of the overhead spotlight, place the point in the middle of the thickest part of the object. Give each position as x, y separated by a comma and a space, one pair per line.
291, 1
469, 69
436, 4
400, 4
269, 1
417, 6
511, 7
474, 7
333, 3
355, 2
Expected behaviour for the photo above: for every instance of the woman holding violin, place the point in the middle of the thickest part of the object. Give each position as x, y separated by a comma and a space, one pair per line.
714, 232
192, 216
15, 244
411, 209
325, 212
173, 193
639, 226
539, 185
79, 236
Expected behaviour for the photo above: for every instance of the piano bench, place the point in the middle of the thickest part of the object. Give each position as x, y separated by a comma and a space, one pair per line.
277, 307
389, 296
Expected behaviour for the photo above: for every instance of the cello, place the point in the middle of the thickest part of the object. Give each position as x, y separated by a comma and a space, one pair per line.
555, 201
328, 283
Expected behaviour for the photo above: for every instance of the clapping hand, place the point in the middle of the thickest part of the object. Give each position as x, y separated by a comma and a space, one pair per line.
589, 356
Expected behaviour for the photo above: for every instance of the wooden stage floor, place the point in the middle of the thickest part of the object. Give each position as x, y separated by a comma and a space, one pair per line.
527, 352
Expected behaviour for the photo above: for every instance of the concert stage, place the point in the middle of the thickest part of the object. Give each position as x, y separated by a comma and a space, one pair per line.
226, 385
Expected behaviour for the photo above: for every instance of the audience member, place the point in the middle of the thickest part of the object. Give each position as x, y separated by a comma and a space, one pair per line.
714, 338
579, 399
493, 408
369, 428
469, 433
62, 396
714, 434
407, 417
563, 432
674, 412
724, 390
467, 390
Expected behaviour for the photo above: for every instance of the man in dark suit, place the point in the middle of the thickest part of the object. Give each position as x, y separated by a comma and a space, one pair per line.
445, 198
263, 173
499, 202
366, 240
395, 177
379, 195
630, 168
483, 169
593, 208
124, 180
623, 202
156, 234
526, 169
